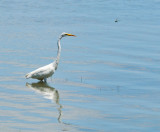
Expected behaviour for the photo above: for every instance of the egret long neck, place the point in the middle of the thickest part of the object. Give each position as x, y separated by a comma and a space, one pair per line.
58, 52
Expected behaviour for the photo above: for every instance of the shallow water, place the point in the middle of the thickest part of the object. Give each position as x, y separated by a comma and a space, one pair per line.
108, 76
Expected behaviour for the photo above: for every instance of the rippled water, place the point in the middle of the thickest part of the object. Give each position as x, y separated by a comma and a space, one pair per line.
108, 76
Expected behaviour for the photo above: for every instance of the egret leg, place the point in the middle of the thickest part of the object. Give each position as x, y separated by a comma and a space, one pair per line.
45, 79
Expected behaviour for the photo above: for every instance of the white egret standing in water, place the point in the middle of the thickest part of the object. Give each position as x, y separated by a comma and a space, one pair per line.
44, 72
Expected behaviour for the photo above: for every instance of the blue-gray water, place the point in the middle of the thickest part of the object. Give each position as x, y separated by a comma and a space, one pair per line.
108, 79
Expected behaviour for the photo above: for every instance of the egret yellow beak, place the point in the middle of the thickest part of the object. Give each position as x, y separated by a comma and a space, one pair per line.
71, 35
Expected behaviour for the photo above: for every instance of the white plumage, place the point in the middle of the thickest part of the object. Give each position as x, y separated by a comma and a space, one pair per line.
44, 72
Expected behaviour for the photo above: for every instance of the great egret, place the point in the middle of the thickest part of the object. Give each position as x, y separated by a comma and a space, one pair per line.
44, 72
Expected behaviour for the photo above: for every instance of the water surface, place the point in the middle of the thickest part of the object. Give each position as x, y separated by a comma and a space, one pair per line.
108, 76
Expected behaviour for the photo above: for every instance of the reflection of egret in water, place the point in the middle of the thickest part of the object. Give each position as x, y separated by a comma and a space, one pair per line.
48, 92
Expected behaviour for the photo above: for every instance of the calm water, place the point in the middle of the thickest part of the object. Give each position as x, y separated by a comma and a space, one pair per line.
108, 79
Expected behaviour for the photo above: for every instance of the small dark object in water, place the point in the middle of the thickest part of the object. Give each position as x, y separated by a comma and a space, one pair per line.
116, 20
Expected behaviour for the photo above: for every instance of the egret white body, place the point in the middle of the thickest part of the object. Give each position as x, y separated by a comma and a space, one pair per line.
44, 72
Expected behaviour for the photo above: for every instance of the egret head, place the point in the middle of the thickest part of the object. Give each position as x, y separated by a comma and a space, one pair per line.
67, 34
